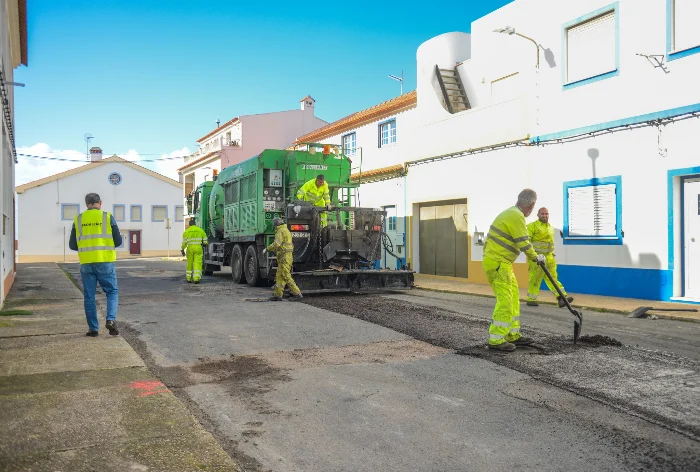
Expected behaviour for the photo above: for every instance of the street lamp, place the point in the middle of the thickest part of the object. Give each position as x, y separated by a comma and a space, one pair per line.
398, 79
510, 31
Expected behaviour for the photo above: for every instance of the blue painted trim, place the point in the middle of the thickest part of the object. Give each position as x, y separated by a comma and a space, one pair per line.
121, 179
675, 173
67, 204
684, 301
114, 212
131, 213
595, 240
153, 207
648, 284
614, 7
183, 213
682, 238
670, 113
672, 55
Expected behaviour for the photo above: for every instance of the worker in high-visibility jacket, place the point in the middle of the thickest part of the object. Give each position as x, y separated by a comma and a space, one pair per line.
193, 239
506, 239
282, 246
542, 237
316, 191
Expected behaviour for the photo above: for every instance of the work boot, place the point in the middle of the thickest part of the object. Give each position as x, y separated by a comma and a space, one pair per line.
112, 327
276, 299
562, 303
532, 303
506, 347
189, 281
523, 341
196, 282
92, 334
298, 296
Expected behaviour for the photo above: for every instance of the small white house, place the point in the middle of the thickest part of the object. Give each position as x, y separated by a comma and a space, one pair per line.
146, 206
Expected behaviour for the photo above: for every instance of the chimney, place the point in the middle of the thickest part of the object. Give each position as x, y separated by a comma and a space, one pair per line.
95, 154
307, 103
217, 122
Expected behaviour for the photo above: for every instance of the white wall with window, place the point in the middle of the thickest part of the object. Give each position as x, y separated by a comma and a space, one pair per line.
140, 201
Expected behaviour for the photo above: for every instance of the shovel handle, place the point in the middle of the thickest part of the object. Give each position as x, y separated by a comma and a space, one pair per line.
556, 286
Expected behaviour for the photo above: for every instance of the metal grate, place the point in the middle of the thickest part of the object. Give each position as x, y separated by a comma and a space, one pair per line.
231, 192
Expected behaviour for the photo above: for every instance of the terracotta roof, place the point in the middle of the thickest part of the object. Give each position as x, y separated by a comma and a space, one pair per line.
377, 112
375, 175
197, 161
24, 49
92, 165
212, 133
308, 96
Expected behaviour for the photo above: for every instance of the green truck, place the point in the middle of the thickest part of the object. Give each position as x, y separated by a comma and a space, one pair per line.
237, 208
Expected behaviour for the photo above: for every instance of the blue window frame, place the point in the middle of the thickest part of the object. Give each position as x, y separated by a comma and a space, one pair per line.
159, 212
593, 211
179, 215
119, 212
69, 211
588, 52
682, 33
136, 213
387, 132
349, 143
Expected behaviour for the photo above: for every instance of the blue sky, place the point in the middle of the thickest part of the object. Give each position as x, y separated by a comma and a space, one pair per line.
151, 76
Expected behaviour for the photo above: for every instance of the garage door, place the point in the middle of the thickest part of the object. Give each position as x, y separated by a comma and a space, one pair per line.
443, 238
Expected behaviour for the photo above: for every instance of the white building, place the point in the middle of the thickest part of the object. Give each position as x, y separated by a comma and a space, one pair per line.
144, 203
604, 135
13, 53
246, 136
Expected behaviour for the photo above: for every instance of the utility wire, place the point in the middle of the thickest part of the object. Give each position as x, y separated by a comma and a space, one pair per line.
63, 159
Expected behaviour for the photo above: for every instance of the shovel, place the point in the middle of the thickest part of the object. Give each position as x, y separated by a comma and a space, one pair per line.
642, 311
578, 316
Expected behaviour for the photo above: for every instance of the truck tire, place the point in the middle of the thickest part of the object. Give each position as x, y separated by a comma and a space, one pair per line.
237, 272
252, 269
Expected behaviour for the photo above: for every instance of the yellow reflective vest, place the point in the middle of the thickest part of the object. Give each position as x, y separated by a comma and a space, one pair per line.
309, 192
282, 245
194, 235
508, 236
93, 233
542, 237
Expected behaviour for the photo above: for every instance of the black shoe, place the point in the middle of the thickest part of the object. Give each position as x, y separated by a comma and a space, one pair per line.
112, 327
276, 299
532, 303
196, 282
506, 347
92, 334
523, 341
562, 303
298, 296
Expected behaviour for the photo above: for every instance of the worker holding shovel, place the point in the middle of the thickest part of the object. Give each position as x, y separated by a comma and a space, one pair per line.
542, 237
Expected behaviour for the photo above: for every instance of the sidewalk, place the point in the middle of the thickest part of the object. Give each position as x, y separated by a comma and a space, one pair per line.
74, 403
439, 283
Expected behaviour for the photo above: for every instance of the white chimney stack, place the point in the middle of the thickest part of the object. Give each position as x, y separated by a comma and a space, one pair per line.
307, 103
95, 154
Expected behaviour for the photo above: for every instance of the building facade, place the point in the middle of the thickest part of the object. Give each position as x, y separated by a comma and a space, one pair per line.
13, 53
146, 206
244, 137
593, 104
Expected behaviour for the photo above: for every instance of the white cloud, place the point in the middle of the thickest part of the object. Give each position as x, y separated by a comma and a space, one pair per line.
30, 169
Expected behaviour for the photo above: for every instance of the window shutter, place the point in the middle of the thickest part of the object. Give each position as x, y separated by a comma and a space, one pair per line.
686, 33
119, 212
593, 211
159, 213
70, 212
590, 48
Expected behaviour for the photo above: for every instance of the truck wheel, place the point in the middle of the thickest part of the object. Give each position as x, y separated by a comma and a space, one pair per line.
252, 269
237, 265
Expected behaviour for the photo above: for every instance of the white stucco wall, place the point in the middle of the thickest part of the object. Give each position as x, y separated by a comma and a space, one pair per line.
43, 235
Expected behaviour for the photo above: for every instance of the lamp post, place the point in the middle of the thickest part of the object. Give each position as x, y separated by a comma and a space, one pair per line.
509, 30
398, 79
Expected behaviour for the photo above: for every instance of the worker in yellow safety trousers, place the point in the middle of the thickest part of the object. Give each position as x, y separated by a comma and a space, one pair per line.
193, 239
542, 237
282, 246
507, 237
316, 191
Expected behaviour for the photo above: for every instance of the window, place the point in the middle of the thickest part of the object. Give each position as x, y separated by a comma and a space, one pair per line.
69, 211
387, 133
593, 211
135, 213
119, 212
591, 47
683, 35
159, 213
390, 218
179, 213
349, 144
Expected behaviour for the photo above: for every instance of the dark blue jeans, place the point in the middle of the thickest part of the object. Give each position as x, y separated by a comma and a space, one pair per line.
106, 275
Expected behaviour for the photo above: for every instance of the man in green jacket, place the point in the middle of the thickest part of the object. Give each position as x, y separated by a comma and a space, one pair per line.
507, 237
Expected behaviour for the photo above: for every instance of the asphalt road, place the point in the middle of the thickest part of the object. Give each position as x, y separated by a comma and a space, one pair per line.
402, 382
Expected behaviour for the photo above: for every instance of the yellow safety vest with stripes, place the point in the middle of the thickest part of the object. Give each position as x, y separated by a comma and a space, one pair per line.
508, 237
93, 233
320, 196
194, 235
283, 241
542, 237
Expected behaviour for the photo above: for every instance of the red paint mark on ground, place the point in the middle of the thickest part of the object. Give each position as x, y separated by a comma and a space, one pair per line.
149, 387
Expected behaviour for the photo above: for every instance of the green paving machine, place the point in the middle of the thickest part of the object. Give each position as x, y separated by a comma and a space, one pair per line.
236, 210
